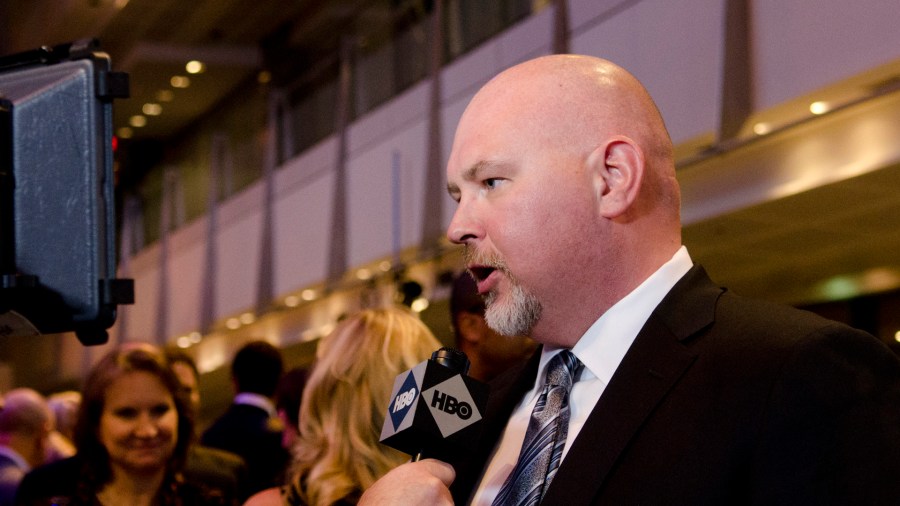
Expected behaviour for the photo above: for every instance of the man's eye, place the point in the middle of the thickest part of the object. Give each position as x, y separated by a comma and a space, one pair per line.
492, 182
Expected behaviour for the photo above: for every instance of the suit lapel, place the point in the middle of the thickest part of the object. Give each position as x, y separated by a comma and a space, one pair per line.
653, 365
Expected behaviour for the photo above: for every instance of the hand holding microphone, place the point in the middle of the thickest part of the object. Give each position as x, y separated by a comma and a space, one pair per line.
422, 482
435, 409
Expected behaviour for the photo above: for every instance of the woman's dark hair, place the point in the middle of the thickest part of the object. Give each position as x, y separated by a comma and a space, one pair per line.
127, 358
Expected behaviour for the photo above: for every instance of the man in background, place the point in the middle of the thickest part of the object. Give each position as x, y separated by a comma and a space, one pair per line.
250, 427
25, 426
288, 398
489, 352
219, 468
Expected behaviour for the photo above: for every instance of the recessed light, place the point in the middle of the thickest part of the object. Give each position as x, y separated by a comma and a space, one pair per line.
762, 128
151, 109
180, 82
195, 67
138, 121
819, 107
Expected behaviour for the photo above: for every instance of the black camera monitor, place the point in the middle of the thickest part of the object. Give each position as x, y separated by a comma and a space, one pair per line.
57, 212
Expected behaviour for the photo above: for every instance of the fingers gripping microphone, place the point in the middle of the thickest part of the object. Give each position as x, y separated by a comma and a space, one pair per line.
435, 408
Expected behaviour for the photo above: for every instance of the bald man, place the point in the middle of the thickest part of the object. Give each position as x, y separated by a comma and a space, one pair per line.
25, 426
682, 392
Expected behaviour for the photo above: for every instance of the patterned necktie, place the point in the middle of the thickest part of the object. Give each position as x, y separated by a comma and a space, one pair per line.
545, 438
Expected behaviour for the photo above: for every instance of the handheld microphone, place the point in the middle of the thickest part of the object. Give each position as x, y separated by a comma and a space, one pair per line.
435, 408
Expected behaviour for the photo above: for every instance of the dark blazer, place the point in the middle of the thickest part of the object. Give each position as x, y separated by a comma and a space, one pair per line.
250, 433
10, 477
726, 400
218, 469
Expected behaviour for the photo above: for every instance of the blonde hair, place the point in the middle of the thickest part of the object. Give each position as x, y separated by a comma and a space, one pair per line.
337, 454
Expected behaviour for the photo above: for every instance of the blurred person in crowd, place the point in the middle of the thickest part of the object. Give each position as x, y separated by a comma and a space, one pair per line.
25, 427
250, 427
64, 406
489, 352
338, 454
287, 403
133, 433
222, 469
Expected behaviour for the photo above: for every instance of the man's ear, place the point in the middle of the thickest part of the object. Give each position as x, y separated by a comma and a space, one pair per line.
617, 167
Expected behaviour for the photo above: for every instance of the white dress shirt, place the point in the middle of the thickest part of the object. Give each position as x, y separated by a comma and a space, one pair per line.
260, 401
600, 349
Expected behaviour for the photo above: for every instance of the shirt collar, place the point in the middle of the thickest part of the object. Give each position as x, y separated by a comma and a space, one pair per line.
605, 343
260, 401
13, 455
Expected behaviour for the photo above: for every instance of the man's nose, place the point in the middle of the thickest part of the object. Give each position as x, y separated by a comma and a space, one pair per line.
462, 228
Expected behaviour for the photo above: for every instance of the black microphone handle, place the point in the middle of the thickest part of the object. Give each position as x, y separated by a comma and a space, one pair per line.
452, 359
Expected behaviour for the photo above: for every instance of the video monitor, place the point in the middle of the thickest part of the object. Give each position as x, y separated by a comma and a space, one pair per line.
57, 211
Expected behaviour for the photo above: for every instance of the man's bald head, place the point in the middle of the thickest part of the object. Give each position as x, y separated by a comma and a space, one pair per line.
573, 102
25, 411
563, 171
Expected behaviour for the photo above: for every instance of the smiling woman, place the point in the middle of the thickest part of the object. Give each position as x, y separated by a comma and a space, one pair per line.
133, 432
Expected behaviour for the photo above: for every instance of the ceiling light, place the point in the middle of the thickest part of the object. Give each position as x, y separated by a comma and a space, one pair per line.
292, 301
897, 336
819, 107
138, 121
125, 132
385, 266
195, 67
308, 294
180, 82
184, 342
248, 318
165, 95
233, 323
762, 128
364, 274
151, 109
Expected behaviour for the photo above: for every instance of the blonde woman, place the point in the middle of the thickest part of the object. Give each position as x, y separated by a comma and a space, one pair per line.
337, 454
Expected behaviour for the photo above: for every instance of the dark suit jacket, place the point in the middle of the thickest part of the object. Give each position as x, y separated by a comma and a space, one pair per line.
724, 400
250, 433
10, 477
217, 469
